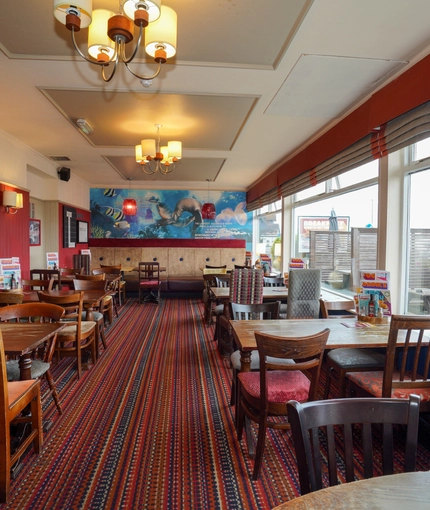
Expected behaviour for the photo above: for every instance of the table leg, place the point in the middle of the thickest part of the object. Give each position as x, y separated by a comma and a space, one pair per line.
24, 364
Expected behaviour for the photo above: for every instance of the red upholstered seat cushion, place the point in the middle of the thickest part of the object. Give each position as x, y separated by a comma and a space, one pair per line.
282, 386
372, 383
149, 283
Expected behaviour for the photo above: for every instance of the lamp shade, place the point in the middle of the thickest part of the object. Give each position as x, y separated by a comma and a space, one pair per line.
148, 148
138, 153
9, 198
100, 45
162, 32
175, 149
129, 207
19, 201
84, 6
165, 151
152, 8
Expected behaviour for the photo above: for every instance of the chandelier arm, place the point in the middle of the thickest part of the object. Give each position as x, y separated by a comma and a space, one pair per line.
140, 77
151, 172
167, 169
123, 57
103, 64
112, 74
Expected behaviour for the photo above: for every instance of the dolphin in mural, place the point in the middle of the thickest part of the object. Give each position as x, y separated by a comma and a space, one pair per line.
168, 217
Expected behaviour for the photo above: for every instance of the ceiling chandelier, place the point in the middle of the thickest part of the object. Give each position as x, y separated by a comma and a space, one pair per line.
109, 32
154, 158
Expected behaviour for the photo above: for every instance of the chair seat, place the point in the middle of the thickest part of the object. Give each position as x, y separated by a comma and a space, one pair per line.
255, 360
371, 382
86, 327
38, 368
96, 316
282, 386
356, 358
218, 310
149, 283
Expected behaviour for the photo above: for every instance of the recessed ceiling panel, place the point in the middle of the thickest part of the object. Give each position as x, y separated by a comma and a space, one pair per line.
123, 119
275, 21
187, 169
325, 86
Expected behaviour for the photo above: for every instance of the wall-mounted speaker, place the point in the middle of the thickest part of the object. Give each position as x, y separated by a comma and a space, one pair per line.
64, 173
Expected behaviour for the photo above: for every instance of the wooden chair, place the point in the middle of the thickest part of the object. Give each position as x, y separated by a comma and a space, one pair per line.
10, 298
78, 335
41, 362
341, 361
70, 271
114, 286
98, 314
46, 274
91, 277
221, 280
264, 394
149, 280
277, 281
304, 290
314, 426
109, 302
239, 312
406, 369
209, 302
14, 398
121, 284
37, 284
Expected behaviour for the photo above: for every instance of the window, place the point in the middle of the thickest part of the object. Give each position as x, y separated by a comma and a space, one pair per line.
267, 234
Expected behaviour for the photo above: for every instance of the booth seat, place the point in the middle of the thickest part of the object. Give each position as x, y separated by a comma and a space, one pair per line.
184, 266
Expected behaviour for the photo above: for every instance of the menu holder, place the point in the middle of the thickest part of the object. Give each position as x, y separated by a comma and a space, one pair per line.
373, 320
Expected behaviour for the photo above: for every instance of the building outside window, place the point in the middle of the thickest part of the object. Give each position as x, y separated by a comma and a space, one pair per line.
267, 234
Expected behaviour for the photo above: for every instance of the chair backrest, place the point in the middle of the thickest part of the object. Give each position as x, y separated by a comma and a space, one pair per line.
306, 351
273, 281
10, 298
317, 427
149, 271
246, 286
72, 304
107, 270
222, 280
90, 284
304, 290
37, 284
337, 306
70, 271
46, 274
256, 311
92, 277
118, 266
414, 357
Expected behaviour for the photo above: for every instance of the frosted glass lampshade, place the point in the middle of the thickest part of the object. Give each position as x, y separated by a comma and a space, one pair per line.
162, 32
9, 198
153, 8
175, 149
148, 148
84, 6
19, 201
98, 40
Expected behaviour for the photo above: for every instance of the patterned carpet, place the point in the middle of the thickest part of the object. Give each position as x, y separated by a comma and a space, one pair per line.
149, 426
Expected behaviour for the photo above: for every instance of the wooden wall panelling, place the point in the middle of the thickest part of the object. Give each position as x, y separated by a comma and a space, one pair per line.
182, 262
105, 256
128, 256
160, 255
232, 256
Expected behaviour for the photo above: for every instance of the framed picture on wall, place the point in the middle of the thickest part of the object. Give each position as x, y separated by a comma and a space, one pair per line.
35, 233
82, 228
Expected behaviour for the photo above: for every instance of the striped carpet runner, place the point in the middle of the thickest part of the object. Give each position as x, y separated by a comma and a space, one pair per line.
149, 426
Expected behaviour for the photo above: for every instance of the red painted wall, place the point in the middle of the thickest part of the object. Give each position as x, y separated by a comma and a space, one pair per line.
14, 231
65, 255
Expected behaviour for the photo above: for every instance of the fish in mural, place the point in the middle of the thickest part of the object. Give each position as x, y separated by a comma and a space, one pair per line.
239, 213
122, 225
109, 192
116, 214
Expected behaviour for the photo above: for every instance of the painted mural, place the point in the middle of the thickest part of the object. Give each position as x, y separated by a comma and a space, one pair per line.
171, 214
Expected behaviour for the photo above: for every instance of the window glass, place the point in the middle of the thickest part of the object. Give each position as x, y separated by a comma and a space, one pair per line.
360, 174
421, 150
268, 241
310, 192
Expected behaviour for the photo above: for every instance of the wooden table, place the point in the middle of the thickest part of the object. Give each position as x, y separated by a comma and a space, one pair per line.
409, 491
340, 335
91, 298
21, 339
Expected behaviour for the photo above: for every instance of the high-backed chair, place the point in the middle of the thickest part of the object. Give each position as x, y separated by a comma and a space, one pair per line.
114, 286
98, 314
304, 290
37, 284
277, 281
209, 280
41, 362
221, 281
109, 302
406, 369
46, 274
78, 335
14, 398
149, 281
314, 426
239, 312
121, 284
264, 394
246, 287
70, 271
10, 298
341, 361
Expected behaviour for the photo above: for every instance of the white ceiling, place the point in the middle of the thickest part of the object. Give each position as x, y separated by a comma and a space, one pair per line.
252, 83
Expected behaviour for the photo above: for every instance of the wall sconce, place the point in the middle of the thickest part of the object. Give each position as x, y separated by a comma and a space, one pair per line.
12, 201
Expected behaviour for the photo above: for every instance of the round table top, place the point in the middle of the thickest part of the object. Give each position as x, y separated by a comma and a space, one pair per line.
409, 491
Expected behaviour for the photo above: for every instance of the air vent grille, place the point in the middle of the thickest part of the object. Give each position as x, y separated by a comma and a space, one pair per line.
59, 158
